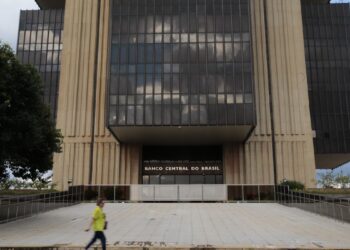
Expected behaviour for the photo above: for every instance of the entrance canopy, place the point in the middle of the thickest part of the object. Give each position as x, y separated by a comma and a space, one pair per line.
331, 161
181, 135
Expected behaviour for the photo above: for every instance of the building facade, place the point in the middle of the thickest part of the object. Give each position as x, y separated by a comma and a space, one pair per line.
327, 46
188, 91
40, 44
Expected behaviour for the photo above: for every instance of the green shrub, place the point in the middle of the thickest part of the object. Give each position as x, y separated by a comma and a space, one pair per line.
293, 185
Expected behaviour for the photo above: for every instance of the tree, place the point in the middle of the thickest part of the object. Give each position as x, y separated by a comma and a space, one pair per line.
28, 137
342, 179
327, 179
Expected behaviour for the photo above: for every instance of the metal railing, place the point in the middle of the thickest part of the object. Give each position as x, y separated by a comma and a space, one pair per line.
320, 204
193, 192
13, 208
17, 207
251, 193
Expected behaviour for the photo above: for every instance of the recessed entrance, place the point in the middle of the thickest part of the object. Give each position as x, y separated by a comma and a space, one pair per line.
182, 165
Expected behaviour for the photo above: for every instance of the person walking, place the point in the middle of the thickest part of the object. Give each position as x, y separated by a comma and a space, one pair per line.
99, 224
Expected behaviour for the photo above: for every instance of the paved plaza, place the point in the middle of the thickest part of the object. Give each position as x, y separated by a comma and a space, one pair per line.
220, 225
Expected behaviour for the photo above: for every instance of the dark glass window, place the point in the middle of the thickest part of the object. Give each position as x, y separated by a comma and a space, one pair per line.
327, 53
182, 179
197, 179
172, 52
145, 179
219, 179
167, 179
40, 44
154, 179
210, 179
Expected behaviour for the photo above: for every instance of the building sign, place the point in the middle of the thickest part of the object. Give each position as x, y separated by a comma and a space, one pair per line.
182, 168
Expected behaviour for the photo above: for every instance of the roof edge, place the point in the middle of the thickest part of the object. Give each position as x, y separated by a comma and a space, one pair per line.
51, 4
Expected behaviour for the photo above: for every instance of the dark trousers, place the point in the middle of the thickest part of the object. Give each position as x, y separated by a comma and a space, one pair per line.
98, 235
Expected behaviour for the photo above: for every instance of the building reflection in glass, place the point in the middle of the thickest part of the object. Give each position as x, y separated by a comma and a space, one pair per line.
40, 44
181, 62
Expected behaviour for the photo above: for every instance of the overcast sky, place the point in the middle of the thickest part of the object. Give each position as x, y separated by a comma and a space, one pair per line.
9, 18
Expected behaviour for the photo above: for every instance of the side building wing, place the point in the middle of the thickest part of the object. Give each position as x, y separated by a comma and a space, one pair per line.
40, 44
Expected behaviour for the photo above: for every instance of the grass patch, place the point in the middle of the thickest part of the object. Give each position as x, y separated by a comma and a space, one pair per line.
328, 191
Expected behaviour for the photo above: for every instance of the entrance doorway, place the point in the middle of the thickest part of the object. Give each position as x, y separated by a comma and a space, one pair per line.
182, 165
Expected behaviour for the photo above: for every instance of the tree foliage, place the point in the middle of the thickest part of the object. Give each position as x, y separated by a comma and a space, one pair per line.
331, 180
28, 137
327, 180
342, 180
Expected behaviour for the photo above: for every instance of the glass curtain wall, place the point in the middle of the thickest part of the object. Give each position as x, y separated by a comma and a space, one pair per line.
327, 47
180, 62
40, 44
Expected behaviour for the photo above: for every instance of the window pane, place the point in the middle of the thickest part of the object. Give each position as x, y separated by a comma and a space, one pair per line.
196, 179
145, 179
182, 179
210, 179
181, 62
154, 179
167, 179
139, 115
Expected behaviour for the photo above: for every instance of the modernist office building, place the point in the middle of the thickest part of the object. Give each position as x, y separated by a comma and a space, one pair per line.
193, 91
